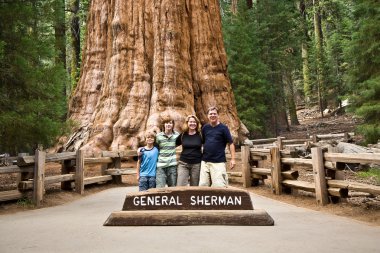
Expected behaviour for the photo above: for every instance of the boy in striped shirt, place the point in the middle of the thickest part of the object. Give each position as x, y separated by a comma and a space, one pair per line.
167, 160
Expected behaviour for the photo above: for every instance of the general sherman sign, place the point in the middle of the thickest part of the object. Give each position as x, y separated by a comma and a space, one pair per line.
183, 206
189, 198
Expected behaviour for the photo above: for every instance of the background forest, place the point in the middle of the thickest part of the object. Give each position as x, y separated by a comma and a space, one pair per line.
281, 54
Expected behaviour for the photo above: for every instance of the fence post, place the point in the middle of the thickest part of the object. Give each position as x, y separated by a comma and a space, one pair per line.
39, 177
246, 168
276, 170
117, 179
319, 176
79, 172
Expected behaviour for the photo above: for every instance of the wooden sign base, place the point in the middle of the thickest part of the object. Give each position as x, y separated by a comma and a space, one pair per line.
184, 206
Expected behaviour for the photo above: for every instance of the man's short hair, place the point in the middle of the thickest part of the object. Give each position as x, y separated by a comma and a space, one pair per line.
212, 108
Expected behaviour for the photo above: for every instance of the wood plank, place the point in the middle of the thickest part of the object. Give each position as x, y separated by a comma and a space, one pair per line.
276, 170
97, 179
245, 167
262, 141
57, 157
261, 171
59, 178
25, 161
97, 160
39, 178
373, 189
119, 153
10, 195
190, 217
234, 173
15, 169
28, 185
79, 172
259, 152
128, 171
363, 158
302, 185
290, 174
297, 161
319, 176
235, 180
295, 141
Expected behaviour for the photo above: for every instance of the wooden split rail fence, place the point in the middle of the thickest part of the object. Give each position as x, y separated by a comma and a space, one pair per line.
279, 165
31, 172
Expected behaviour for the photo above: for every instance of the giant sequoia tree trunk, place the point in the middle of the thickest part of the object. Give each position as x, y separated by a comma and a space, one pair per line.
145, 59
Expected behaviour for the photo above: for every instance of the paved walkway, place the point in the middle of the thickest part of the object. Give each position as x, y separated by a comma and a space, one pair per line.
77, 227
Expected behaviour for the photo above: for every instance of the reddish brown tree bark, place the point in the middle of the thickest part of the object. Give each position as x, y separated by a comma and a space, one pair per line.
146, 59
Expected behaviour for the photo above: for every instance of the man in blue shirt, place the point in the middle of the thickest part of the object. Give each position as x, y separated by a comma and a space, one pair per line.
216, 136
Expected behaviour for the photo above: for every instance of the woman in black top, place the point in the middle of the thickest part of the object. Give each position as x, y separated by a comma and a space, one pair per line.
190, 160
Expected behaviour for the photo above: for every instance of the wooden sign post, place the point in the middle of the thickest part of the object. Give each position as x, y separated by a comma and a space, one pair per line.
181, 206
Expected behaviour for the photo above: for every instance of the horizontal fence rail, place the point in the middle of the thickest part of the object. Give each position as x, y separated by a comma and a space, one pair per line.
277, 162
31, 172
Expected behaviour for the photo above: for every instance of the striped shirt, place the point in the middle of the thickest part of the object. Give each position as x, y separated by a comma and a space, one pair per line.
167, 155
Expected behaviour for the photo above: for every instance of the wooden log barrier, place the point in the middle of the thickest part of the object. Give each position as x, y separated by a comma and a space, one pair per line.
180, 206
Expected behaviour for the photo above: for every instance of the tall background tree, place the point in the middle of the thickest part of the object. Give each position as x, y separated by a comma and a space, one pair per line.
262, 40
364, 78
144, 60
32, 76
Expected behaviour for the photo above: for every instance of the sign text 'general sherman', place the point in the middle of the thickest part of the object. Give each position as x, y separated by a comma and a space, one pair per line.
194, 200
189, 198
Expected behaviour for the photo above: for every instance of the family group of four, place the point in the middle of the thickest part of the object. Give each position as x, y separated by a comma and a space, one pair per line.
158, 167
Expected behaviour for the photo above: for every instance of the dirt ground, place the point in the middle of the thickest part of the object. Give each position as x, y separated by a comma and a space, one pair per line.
365, 209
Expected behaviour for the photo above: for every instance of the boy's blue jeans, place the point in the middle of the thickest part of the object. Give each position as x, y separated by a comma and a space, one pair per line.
146, 183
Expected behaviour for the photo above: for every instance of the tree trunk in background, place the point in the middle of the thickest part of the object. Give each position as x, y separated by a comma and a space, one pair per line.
74, 41
60, 36
319, 53
144, 60
289, 94
305, 54
249, 4
59, 32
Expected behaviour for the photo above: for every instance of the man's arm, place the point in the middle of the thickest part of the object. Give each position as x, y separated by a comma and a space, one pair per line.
231, 147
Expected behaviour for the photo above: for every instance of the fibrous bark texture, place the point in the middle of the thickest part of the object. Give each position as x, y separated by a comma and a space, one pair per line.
144, 60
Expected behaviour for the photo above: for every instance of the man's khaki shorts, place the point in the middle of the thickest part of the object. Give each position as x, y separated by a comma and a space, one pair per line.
213, 174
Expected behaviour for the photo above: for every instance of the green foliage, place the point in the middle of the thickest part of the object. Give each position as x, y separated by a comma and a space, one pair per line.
247, 73
372, 173
364, 55
261, 44
25, 203
32, 101
337, 31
